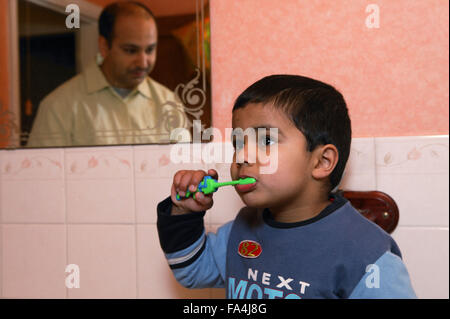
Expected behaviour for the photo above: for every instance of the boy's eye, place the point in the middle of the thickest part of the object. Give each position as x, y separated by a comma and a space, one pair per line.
264, 141
267, 140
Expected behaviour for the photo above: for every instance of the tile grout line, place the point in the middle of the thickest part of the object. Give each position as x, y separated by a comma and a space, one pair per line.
80, 223
66, 216
154, 224
1, 227
375, 162
136, 258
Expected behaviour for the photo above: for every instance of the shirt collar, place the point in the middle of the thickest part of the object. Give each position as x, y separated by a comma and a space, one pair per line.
94, 78
336, 202
96, 81
144, 88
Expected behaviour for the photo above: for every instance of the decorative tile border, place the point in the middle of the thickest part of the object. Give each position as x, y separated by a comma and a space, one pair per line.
32, 164
418, 155
99, 163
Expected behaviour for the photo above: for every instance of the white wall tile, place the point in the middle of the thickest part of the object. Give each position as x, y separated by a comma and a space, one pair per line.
358, 182
99, 163
2, 258
412, 155
425, 253
155, 168
33, 261
149, 192
414, 172
155, 161
40, 164
154, 171
422, 199
362, 156
106, 257
100, 201
100, 187
2, 152
33, 201
29, 177
155, 279
360, 174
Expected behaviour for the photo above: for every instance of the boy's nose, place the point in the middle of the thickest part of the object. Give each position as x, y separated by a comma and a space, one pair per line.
247, 154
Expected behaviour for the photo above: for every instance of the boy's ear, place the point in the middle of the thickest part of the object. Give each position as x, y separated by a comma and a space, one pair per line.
326, 158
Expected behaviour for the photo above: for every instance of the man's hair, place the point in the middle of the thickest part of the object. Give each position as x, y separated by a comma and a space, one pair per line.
109, 15
317, 109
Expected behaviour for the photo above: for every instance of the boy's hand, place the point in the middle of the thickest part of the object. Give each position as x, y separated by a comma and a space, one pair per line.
184, 180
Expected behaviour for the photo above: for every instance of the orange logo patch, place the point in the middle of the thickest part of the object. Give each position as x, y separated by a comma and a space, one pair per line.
249, 249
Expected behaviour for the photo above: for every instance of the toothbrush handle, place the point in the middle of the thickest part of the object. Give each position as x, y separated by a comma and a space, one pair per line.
202, 187
188, 193
227, 183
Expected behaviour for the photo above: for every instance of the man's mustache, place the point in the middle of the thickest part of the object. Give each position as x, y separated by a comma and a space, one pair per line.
146, 70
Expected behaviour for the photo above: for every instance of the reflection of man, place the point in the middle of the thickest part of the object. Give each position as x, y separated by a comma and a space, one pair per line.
116, 102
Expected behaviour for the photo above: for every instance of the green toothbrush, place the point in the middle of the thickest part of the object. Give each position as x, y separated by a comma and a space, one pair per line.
209, 185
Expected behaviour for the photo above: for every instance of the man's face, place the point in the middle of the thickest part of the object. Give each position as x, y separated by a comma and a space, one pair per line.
132, 54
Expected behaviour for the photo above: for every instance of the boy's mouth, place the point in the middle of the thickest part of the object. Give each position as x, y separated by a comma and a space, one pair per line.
245, 188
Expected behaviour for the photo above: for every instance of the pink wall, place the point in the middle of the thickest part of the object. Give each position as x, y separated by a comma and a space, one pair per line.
394, 78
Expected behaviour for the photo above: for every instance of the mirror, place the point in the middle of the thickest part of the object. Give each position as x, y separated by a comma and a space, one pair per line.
55, 41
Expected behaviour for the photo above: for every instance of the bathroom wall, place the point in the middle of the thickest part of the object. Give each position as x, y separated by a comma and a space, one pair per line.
394, 78
96, 208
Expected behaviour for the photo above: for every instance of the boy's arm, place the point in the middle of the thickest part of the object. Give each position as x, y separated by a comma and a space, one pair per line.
387, 278
196, 259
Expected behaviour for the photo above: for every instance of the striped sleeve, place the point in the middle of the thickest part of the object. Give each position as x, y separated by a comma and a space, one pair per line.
197, 259
180, 231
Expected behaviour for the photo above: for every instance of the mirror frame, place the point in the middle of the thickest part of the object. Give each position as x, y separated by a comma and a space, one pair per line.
188, 93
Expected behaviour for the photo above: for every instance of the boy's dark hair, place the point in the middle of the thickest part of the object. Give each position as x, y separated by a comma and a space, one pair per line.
110, 13
317, 109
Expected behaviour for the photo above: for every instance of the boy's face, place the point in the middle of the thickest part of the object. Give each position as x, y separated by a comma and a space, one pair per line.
289, 185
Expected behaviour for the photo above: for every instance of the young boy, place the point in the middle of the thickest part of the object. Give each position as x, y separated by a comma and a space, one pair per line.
295, 238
